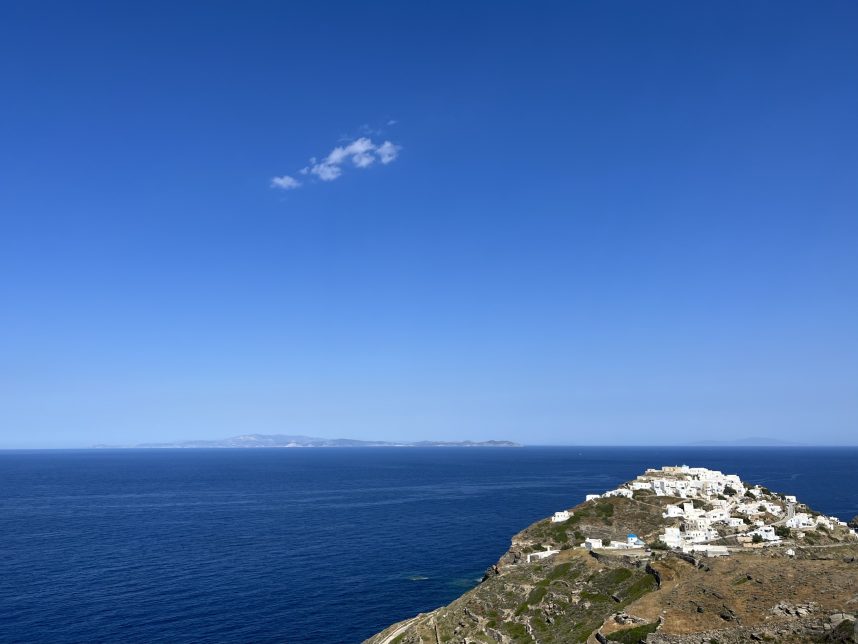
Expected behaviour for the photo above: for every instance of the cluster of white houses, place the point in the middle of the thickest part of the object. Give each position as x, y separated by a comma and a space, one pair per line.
728, 502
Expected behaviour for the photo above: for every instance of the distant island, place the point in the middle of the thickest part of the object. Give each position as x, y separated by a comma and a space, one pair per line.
259, 441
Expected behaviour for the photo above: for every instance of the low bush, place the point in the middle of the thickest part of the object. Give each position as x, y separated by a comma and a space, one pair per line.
633, 635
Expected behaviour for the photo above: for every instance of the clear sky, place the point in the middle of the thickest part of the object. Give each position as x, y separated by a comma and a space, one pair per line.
551, 222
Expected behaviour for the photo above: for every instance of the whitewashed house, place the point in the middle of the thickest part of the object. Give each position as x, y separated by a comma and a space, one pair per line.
767, 533
592, 542
672, 512
771, 508
559, 517
718, 514
592, 497
799, 521
671, 537
621, 491
699, 536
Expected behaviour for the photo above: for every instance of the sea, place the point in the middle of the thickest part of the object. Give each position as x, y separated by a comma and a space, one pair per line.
304, 545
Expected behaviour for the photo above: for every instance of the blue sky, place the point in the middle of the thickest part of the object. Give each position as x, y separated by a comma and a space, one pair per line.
603, 222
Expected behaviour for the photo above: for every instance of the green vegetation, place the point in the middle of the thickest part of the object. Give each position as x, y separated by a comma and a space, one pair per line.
536, 595
640, 588
595, 597
617, 576
757, 538
729, 491
843, 632
658, 545
633, 635
517, 631
782, 531
559, 571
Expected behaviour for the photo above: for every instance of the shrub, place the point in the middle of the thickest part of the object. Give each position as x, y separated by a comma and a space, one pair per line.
633, 635
757, 538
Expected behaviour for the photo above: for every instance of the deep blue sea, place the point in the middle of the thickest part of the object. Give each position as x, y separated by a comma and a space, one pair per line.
313, 545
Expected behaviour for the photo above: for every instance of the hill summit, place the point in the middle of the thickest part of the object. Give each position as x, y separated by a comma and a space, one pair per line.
679, 555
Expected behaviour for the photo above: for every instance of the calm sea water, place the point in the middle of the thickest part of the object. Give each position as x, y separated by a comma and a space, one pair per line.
323, 546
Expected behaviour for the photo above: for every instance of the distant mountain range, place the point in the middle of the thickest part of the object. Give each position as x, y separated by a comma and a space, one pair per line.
288, 440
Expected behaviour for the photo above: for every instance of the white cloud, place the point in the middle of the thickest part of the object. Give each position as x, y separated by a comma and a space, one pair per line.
326, 171
285, 182
387, 152
361, 152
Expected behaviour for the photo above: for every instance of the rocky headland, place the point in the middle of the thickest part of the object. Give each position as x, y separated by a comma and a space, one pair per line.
678, 556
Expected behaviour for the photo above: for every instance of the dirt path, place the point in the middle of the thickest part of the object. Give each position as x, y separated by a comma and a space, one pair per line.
399, 631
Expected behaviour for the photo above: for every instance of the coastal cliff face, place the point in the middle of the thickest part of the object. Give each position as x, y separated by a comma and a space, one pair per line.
800, 585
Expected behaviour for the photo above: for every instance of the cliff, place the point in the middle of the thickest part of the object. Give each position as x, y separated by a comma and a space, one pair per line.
795, 584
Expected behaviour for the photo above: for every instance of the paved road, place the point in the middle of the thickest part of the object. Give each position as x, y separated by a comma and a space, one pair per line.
789, 515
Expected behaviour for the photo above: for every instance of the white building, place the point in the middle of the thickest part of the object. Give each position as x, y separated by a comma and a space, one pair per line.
672, 511
767, 533
561, 516
590, 543
800, 521
621, 491
543, 554
771, 508
790, 498
671, 537
705, 549
699, 536
718, 514
592, 497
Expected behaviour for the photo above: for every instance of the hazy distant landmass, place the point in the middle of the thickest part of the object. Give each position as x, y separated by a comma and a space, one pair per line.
288, 440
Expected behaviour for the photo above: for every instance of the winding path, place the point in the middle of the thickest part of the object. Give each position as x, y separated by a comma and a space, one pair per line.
399, 631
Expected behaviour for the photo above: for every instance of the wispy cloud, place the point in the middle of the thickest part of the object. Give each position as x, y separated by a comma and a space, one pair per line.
285, 182
360, 153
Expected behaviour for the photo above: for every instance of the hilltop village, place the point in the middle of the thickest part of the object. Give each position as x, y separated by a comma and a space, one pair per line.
679, 555
712, 510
